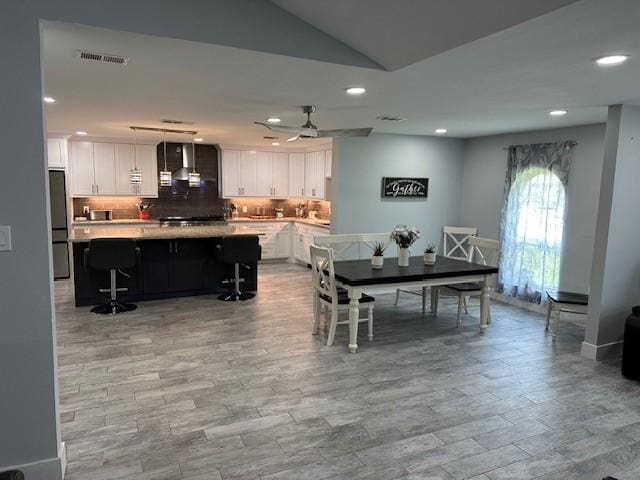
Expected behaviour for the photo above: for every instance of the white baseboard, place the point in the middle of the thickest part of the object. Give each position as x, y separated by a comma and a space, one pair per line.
598, 352
49, 469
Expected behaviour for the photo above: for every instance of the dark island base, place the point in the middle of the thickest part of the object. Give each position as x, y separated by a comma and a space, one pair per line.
168, 269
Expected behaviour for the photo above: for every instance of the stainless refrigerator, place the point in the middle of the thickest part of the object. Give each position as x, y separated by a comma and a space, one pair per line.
59, 228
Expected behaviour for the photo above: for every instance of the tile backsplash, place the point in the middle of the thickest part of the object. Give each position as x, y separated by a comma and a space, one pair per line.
199, 202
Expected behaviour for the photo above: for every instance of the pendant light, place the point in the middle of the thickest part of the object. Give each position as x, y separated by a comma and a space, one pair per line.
135, 175
194, 177
165, 175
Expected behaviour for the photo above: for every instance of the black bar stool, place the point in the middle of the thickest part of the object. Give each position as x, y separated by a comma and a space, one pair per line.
12, 475
238, 250
113, 254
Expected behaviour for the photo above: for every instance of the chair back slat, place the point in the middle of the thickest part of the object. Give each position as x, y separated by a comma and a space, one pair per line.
455, 241
344, 245
322, 272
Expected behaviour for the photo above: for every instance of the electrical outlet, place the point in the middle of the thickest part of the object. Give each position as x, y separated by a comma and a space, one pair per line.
5, 239
244, 209
85, 209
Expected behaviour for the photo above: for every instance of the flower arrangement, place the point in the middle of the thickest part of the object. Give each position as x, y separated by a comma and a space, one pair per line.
404, 236
378, 249
143, 210
431, 248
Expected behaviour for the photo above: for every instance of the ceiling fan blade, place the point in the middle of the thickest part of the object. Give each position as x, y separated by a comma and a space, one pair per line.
300, 131
345, 132
293, 139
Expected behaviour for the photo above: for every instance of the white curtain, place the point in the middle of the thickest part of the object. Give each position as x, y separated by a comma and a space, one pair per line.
532, 224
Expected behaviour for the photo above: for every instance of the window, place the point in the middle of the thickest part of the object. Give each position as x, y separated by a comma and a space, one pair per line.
532, 234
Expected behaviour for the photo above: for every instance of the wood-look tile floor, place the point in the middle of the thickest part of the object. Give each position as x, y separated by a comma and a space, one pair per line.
199, 389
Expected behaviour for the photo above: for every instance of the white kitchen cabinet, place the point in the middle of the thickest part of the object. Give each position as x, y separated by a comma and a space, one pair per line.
144, 156
231, 173
81, 170
296, 174
303, 239
104, 164
264, 168
314, 175
280, 175
283, 241
57, 153
328, 159
248, 173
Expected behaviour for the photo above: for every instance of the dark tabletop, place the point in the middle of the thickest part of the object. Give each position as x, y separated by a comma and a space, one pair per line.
359, 272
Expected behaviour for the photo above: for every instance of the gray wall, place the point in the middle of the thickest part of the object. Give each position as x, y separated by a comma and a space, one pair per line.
28, 391
485, 167
615, 278
359, 165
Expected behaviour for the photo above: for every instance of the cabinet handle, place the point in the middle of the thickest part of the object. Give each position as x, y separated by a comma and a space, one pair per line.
98, 188
302, 191
313, 192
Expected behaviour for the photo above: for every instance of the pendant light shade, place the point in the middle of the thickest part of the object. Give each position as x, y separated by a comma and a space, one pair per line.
135, 175
165, 175
194, 177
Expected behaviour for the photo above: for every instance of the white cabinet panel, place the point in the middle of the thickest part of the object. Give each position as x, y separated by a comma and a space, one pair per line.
328, 159
264, 168
104, 161
280, 174
318, 191
148, 165
248, 173
283, 242
57, 153
314, 175
231, 173
296, 174
81, 170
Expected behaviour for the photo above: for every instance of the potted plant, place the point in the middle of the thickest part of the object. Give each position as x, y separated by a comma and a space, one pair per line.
430, 254
404, 237
377, 260
143, 210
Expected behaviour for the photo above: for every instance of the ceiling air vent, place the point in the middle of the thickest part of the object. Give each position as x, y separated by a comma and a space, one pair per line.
171, 121
390, 118
101, 57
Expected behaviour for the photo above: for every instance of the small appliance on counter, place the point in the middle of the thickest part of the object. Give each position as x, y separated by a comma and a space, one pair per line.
101, 215
313, 214
279, 212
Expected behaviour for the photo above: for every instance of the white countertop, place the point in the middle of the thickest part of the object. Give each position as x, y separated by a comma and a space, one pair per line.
79, 234
154, 223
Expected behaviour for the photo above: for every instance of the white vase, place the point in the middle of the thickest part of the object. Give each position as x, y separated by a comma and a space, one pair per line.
429, 258
377, 261
403, 257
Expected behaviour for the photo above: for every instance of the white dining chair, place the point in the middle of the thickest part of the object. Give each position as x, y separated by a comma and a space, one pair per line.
454, 245
483, 251
328, 299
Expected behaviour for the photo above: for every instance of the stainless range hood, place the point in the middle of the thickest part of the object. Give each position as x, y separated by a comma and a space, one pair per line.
188, 163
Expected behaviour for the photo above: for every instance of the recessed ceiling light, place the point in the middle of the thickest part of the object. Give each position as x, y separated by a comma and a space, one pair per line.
198, 140
612, 60
440, 131
558, 113
49, 100
273, 120
81, 132
275, 144
355, 90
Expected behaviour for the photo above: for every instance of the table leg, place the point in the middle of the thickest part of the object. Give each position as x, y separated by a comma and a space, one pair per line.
434, 300
484, 306
354, 314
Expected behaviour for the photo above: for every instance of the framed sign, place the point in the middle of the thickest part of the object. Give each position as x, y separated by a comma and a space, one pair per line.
404, 187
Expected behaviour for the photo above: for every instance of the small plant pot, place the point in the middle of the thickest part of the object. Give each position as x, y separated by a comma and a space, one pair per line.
429, 258
377, 261
144, 215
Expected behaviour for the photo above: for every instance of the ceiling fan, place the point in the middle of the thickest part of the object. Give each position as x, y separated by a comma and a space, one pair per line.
309, 130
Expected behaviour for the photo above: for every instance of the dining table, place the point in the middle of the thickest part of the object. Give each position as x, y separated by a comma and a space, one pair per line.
358, 276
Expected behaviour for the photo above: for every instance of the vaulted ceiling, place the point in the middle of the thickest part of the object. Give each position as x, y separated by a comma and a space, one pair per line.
473, 67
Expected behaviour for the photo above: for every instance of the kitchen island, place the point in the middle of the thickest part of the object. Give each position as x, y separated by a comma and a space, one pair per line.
174, 262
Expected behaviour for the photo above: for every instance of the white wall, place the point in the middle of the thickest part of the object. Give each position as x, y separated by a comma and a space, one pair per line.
485, 167
359, 165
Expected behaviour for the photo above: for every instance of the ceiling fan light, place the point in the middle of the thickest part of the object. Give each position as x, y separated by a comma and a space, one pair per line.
293, 139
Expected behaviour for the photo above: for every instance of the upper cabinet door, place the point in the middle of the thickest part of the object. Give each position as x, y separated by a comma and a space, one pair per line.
248, 173
318, 191
265, 178
280, 175
309, 174
147, 160
56, 153
124, 163
104, 160
328, 159
81, 170
296, 174
231, 173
